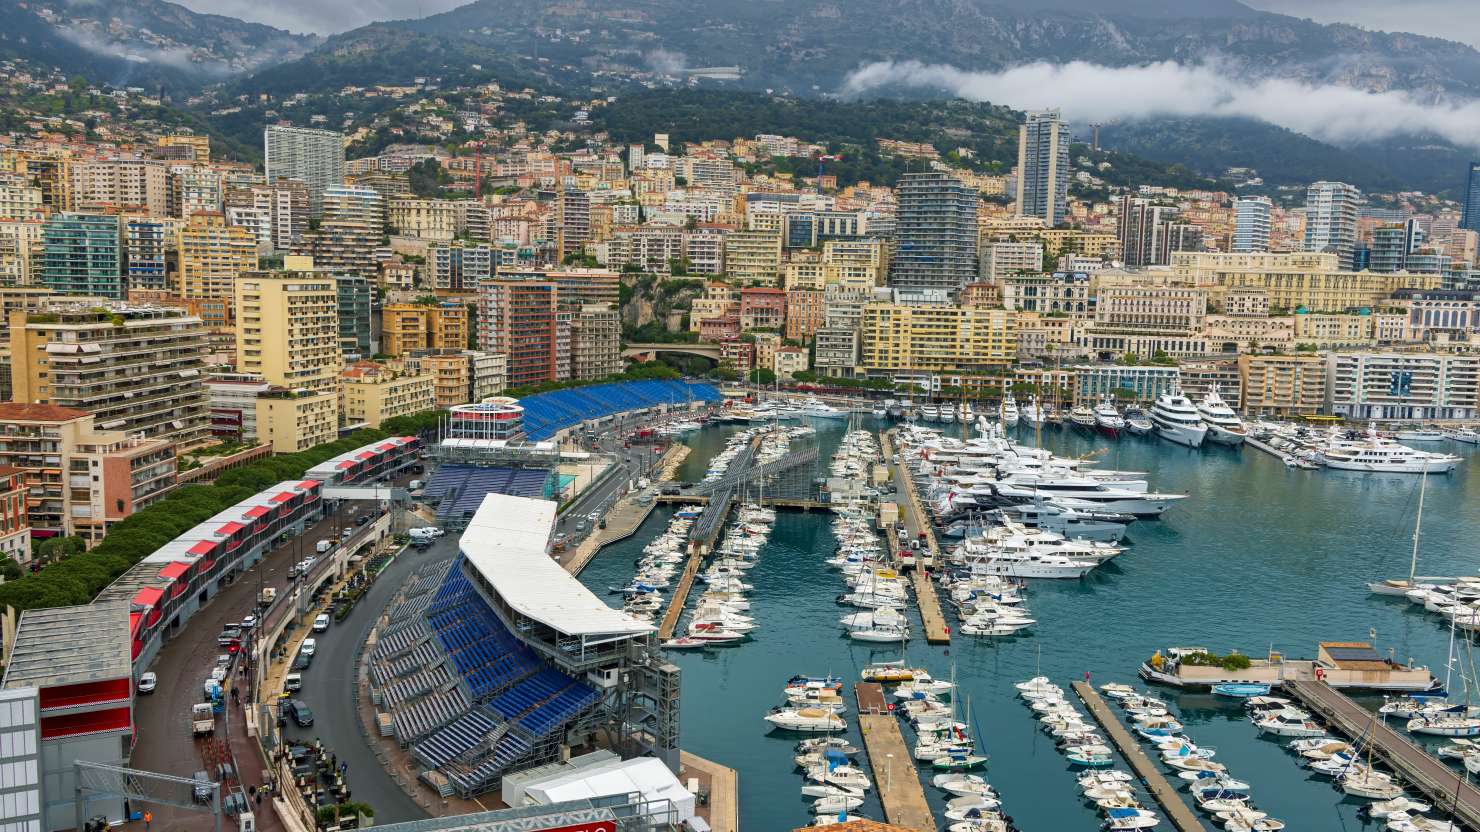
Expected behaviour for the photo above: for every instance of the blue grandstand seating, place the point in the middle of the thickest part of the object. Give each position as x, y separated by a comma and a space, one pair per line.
525, 700
546, 414
461, 488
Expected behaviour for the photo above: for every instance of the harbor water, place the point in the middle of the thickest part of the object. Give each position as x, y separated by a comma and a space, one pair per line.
1258, 557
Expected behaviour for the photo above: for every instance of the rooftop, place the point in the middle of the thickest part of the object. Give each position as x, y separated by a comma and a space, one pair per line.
508, 543
23, 412
70, 646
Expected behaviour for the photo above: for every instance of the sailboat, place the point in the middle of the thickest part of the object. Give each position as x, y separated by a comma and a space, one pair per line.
1398, 586
961, 758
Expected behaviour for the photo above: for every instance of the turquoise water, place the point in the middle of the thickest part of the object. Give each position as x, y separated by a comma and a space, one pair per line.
1258, 556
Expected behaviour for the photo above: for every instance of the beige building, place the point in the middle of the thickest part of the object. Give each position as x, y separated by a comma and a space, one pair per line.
137, 369
80, 480
855, 264
20, 252
296, 420
18, 200
212, 255
122, 183
936, 338
753, 257
287, 329
1329, 331
373, 393
429, 219
1282, 385
1312, 280
718, 300
595, 342
1239, 333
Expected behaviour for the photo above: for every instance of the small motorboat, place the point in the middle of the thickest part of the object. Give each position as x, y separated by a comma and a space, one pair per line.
806, 719
1370, 783
684, 643
836, 804
1238, 690
1130, 818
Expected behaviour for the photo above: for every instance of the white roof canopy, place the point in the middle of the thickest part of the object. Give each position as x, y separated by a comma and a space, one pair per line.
508, 543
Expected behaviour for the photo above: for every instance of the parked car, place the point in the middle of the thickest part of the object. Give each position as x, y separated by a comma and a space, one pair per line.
229, 636
348, 530
362, 519
321, 622
148, 682
301, 662
218, 674
308, 648
293, 682
223, 660
249, 622
302, 715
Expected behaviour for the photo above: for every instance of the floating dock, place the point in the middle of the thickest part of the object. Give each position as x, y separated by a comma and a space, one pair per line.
936, 631
1448, 791
894, 768
680, 594
916, 521
1170, 800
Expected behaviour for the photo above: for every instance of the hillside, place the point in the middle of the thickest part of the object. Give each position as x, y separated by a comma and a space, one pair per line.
141, 42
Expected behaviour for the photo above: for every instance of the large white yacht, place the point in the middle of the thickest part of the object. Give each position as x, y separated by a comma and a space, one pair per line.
1108, 418
1010, 413
1176, 420
1378, 455
1224, 426
818, 409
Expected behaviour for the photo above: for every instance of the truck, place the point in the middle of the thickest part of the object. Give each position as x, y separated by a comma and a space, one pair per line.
202, 719
267, 596
323, 546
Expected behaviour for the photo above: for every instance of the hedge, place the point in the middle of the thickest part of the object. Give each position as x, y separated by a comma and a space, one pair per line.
78, 579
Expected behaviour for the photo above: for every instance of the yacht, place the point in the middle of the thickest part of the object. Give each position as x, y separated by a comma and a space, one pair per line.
929, 413
818, 409
1035, 414
880, 410
1224, 426
1108, 419
947, 412
806, 719
1010, 413
1466, 435
1083, 417
1137, 422
1176, 420
1055, 516
1377, 455
1421, 435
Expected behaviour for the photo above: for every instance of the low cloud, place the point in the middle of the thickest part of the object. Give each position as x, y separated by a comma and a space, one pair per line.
667, 61
1094, 93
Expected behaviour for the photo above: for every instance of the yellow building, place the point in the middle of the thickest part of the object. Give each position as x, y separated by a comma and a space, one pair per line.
287, 330
373, 393
937, 338
753, 257
295, 420
452, 377
199, 147
1326, 331
406, 327
1311, 280
803, 271
1282, 385
212, 255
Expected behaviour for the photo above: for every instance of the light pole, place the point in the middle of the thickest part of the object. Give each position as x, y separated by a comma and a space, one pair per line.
888, 772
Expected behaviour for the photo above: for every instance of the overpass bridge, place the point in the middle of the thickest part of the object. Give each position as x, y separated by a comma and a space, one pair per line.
649, 352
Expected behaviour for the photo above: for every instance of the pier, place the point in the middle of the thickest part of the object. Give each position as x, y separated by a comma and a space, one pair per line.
916, 522
1171, 802
894, 768
680, 594
1447, 790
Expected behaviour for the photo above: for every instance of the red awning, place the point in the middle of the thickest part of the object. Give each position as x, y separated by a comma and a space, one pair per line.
363, 455
134, 619
203, 547
345, 464
283, 497
230, 529
257, 511
385, 446
309, 484
175, 570
148, 596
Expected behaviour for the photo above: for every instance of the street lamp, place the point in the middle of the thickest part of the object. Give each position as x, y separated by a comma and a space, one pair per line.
888, 772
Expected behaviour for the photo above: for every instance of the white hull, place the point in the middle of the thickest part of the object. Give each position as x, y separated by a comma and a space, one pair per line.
1188, 435
1433, 467
1224, 436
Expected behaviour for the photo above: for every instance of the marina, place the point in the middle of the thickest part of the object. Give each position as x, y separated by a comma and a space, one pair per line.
900, 792
1258, 554
1166, 796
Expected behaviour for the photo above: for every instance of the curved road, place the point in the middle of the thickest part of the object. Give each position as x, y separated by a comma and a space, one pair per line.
329, 690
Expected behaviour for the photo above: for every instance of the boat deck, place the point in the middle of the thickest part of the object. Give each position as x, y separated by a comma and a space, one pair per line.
1445, 789
893, 767
1170, 800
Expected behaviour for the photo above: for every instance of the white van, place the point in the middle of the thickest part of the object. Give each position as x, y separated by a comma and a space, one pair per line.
415, 485
324, 546
321, 623
423, 533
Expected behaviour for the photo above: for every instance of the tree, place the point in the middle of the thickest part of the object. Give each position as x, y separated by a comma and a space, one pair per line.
761, 375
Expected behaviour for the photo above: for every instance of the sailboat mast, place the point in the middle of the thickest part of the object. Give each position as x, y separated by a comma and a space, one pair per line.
1423, 481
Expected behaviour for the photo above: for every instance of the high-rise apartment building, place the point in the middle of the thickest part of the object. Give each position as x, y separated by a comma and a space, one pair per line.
212, 255
518, 318
82, 254
138, 369
935, 233
1146, 236
1043, 167
595, 342
284, 202
459, 268
356, 316
287, 329
1471, 218
1251, 223
147, 242
936, 337
313, 157
134, 184
1331, 219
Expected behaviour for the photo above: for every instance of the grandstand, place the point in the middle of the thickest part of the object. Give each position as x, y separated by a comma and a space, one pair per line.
492, 662
458, 490
546, 414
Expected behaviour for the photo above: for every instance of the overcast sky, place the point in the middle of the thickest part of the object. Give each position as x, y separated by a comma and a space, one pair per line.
1454, 19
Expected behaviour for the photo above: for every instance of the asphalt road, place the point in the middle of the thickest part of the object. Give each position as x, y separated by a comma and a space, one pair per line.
329, 690
162, 719
633, 463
